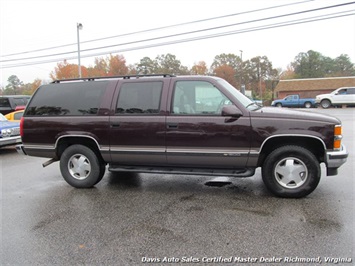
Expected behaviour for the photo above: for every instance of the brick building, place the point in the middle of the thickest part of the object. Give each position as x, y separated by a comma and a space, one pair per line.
310, 88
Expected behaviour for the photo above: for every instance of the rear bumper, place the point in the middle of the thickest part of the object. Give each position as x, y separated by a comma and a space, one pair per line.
335, 159
10, 141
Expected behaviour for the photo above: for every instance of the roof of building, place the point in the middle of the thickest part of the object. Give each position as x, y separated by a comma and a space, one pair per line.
314, 84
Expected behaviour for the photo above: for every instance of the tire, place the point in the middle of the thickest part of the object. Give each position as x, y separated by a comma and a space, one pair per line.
278, 105
291, 172
81, 167
307, 105
325, 103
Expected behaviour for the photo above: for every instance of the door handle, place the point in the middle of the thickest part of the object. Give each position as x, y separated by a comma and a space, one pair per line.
115, 124
172, 125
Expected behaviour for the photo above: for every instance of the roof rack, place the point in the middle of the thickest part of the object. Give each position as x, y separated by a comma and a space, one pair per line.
115, 77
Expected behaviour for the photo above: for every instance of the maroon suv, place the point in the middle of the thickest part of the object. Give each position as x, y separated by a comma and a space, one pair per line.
186, 125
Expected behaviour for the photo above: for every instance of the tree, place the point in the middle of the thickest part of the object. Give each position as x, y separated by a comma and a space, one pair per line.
315, 65
226, 72
146, 66
220, 63
227, 59
15, 85
64, 70
289, 73
168, 64
117, 65
100, 69
257, 71
343, 66
199, 69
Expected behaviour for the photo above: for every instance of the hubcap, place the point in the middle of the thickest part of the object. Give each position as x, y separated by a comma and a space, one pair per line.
291, 172
325, 104
79, 166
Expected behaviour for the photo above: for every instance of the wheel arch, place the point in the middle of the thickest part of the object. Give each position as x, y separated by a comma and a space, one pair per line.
312, 143
65, 141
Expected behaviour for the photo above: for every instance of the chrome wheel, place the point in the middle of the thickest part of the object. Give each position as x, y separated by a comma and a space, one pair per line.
79, 166
291, 172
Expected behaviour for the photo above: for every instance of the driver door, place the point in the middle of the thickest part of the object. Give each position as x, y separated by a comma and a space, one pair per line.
198, 135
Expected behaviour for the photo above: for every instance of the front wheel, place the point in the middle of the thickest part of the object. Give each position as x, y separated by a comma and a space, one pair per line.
325, 104
81, 167
291, 172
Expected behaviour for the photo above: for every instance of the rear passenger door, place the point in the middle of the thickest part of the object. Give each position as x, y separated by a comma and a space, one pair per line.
137, 128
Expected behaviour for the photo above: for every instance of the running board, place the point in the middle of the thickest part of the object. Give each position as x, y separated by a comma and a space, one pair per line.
183, 171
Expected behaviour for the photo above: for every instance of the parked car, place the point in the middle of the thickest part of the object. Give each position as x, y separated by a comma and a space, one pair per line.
341, 96
9, 103
258, 102
294, 101
9, 132
15, 116
184, 125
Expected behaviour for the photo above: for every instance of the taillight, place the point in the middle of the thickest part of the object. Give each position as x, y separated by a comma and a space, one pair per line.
21, 126
337, 137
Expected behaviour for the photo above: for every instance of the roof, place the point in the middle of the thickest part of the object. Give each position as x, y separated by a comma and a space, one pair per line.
314, 84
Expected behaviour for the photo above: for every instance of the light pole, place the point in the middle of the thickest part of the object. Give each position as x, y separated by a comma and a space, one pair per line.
242, 88
79, 26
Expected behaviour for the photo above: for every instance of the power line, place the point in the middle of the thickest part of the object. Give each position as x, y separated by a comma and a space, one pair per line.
184, 33
265, 27
160, 28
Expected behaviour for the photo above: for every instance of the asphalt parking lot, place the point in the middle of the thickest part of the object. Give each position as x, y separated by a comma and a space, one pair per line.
135, 219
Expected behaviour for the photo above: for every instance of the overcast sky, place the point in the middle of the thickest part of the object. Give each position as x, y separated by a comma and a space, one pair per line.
30, 25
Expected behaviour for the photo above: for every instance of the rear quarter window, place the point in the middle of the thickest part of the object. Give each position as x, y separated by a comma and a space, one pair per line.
67, 99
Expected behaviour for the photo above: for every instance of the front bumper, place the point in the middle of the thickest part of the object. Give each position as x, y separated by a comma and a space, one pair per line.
335, 159
10, 141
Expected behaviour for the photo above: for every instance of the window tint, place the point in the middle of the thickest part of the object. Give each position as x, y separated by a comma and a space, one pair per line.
139, 98
197, 97
79, 98
19, 101
351, 91
4, 102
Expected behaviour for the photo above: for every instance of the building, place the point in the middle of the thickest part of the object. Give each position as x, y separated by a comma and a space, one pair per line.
310, 88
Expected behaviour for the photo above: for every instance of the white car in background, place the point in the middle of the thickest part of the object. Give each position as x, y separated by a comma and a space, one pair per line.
341, 96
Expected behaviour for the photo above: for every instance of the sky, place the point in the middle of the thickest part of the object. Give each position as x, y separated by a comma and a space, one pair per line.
248, 28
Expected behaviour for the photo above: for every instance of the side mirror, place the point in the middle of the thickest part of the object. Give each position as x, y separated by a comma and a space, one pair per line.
231, 110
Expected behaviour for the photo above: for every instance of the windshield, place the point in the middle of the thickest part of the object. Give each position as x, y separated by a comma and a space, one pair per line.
2, 118
239, 96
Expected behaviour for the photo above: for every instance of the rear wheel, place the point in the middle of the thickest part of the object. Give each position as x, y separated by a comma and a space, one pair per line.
81, 167
325, 103
291, 172
307, 105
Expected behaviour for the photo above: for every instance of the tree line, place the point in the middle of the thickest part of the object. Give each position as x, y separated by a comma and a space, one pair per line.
256, 74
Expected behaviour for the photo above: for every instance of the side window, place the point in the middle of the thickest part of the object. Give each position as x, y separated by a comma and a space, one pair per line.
139, 98
19, 101
342, 92
4, 102
68, 99
17, 116
197, 97
351, 91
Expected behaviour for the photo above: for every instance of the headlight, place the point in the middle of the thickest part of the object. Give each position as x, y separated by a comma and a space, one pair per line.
6, 132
